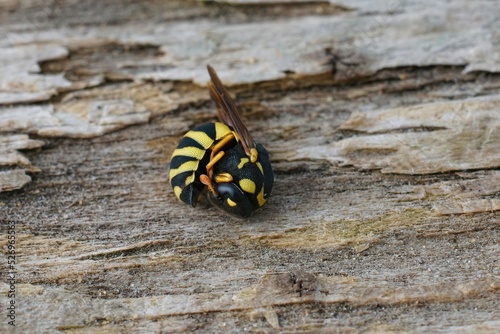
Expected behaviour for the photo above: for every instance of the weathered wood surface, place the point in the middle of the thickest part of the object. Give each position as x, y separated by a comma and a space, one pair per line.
383, 123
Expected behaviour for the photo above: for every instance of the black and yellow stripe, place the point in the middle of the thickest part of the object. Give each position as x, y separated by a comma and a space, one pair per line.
190, 158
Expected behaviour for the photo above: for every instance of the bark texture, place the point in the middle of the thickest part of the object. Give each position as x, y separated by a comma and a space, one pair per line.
382, 120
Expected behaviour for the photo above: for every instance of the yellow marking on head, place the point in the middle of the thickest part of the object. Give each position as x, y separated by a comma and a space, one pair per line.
178, 191
230, 202
247, 185
253, 155
200, 137
190, 151
223, 178
185, 167
242, 163
221, 130
189, 179
260, 197
260, 167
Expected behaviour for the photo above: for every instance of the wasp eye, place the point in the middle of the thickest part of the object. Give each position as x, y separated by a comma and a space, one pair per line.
231, 199
230, 190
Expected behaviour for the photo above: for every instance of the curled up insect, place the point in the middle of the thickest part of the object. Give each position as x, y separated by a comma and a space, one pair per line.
222, 160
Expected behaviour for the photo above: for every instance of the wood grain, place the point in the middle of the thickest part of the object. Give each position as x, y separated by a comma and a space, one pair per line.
382, 122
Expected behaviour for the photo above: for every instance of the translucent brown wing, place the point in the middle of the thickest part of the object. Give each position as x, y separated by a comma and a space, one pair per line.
228, 112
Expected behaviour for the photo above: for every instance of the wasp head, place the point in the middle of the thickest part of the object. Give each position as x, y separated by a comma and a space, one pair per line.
231, 199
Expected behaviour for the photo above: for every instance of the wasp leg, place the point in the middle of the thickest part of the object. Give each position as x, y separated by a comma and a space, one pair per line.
207, 179
217, 153
224, 178
212, 162
217, 147
208, 182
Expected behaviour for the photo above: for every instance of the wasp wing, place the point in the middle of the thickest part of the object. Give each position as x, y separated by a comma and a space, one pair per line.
227, 111
221, 115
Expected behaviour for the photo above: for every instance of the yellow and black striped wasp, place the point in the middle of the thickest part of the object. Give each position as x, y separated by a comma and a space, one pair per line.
222, 159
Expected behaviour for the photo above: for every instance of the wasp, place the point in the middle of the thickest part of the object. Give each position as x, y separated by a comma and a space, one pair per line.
222, 160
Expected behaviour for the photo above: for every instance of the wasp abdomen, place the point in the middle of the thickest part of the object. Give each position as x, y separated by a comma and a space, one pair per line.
190, 158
